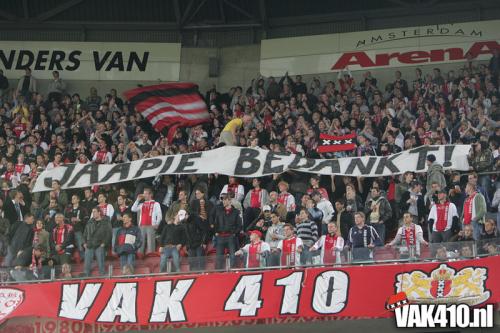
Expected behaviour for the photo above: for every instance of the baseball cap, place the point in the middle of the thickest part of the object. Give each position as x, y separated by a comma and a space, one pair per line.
266, 208
257, 232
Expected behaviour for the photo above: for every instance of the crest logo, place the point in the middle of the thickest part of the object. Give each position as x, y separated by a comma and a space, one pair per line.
10, 299
445, 285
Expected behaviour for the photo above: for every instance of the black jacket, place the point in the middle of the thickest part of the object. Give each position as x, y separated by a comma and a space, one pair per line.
173, 234
97, 233
224, 222
10, 211
195, 233
420, 204
68, 245
346, 222
81, 213
21, 237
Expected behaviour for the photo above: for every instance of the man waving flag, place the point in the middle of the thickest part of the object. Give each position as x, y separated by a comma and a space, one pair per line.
169, 105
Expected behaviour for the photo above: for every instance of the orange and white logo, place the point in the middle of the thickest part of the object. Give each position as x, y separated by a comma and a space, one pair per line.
445, 285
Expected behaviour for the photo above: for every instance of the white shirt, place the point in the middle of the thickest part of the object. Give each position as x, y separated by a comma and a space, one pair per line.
320, 244
156, 215
264, 247
107, 159
298, 243
327, 208
110, 211
239, 195
452, 212
419, 238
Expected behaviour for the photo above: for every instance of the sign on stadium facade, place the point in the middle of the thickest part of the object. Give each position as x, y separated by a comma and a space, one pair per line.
239, 298
377, 49
92, 61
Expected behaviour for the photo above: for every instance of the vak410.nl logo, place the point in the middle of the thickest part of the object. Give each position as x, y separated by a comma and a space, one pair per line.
443, 298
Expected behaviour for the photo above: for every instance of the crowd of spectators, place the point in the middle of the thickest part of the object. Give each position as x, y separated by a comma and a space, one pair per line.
303, 218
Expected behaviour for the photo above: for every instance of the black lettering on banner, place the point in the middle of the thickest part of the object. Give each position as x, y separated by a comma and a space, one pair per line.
358, 163
74, 307
141, 64
74, 59
20, 59
422, 155
290, 299
7, 63
245, 296
168, 301
386, 162
186, 162
330, 292
448, 153
41, 59
149, 164
270, 157
309, 162
55, 60
89, 169
67, 174
99, 63
116, 62
166, 165
120, 168
332, 164
247, 156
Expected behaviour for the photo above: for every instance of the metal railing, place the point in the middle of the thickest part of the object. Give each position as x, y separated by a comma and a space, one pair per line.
153, 266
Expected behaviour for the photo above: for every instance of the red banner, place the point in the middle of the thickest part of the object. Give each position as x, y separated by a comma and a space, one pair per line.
198, 300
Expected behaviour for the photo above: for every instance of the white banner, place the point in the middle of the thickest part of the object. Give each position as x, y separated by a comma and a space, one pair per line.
249, 162
387, 48
92, 61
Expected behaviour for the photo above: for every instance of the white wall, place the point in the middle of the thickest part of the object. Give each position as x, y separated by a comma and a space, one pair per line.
238, 65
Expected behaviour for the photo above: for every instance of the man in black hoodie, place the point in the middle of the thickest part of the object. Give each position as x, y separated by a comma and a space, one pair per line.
227, 224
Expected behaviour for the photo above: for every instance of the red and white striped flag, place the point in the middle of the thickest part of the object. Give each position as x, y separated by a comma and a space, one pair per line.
330, 143
170, 105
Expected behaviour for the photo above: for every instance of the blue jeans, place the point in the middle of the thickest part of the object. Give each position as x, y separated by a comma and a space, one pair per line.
113, 239
79, 243
225, 242
127, 259
167, 253
196, 259
380, 228
99, 254
477, 229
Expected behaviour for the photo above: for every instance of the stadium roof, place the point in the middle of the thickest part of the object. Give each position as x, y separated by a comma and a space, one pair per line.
252, 19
